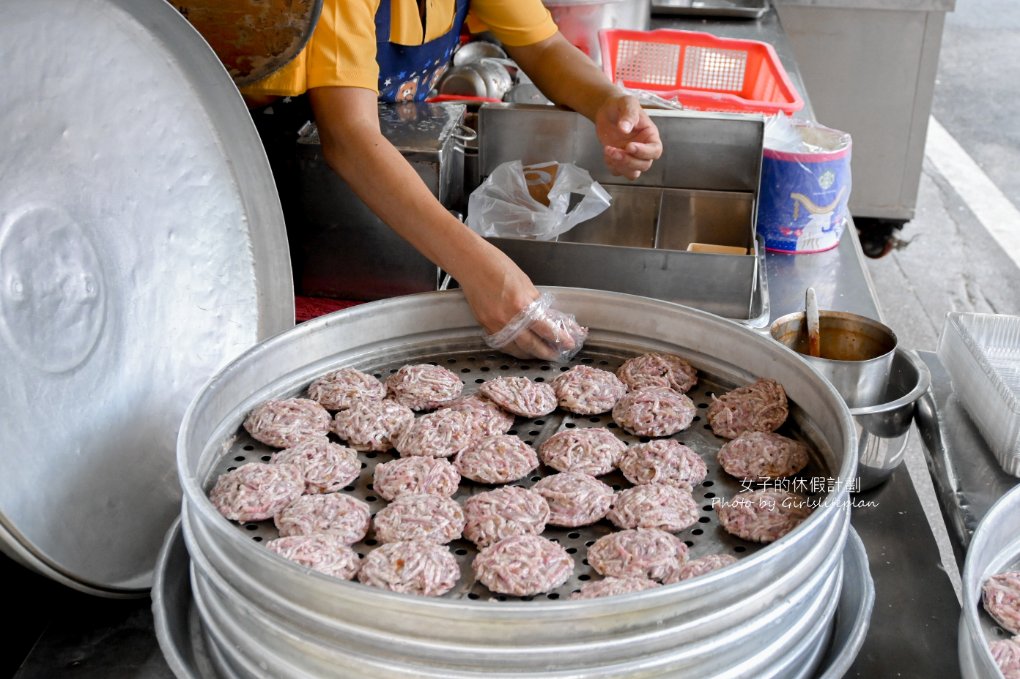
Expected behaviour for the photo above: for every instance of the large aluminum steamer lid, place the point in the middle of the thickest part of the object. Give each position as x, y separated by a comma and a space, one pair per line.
142, 247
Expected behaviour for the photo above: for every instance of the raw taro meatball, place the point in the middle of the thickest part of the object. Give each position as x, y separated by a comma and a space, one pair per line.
658, 370
284, 423
443, 433
502, 513
415, 476
574, 499
412, 567
521, 396
423, 386
323, 552
431, 518
588, 391
593, 450
256, 491
327, 467
654, 411
372, 425
763, 455
760, 406
639, 553
343, 388
484, 416
343, 515
654, 505
497, 459
763, 515
663, 461
523, 565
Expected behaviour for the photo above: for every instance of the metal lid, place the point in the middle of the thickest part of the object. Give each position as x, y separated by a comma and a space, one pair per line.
142, 246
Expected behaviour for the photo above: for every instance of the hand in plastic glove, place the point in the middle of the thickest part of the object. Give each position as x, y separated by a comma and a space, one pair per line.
629, 137
500, 296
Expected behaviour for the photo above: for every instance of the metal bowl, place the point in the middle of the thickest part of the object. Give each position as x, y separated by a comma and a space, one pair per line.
768, 615
884, 429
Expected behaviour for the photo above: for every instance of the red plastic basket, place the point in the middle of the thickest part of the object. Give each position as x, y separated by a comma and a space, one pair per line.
700, 70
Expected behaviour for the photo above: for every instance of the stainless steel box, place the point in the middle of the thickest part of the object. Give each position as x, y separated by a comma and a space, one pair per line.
704, 190
341, 249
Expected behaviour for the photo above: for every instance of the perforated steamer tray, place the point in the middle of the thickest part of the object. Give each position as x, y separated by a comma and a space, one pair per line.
704, 537
769, 614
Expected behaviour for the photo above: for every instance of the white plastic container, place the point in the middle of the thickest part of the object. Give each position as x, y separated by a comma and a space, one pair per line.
580, 20
982, 354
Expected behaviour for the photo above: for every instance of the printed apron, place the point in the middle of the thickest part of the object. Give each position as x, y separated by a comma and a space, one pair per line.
409, 72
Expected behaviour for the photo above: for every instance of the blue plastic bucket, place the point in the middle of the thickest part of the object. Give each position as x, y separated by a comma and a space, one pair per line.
803, 196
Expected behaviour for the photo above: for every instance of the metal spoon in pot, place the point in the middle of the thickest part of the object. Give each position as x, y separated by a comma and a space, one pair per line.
814, 331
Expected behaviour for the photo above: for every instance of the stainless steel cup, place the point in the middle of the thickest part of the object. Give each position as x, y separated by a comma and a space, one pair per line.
856, 352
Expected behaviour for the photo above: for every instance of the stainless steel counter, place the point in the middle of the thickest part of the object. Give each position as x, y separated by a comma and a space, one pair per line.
913, 628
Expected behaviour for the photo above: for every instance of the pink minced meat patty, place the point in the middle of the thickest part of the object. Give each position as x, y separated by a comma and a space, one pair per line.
443, 433
763, 455
763, 515
523, 565
416, 476
256, 491
412, 567
487, 418
372, 425
654, 411
640, 553
431, 518
1001, 597
705, 564
497, 514
597, 589
593, 450
423, 386
654, 505
340, 389
588, 391
520, 396
1006, 653
663, 461
327, 466
323, 552
760, 406
574, 499
658, 370
343, 515
497, 459
284, 423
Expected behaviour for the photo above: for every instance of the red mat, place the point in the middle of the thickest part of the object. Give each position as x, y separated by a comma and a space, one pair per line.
307, 308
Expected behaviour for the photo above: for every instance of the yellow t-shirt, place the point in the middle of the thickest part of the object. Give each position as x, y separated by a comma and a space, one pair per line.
341, 50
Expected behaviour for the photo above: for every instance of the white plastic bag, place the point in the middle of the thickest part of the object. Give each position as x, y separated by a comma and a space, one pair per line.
534, 201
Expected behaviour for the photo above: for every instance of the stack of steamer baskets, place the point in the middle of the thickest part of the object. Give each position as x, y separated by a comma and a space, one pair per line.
768, 615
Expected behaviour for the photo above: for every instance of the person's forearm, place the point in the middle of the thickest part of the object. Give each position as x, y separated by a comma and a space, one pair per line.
564, 74
389, 186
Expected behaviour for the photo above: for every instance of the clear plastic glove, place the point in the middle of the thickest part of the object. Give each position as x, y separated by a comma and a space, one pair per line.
540, 331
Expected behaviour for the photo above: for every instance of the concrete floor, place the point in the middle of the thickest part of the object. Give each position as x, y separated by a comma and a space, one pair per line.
946, 258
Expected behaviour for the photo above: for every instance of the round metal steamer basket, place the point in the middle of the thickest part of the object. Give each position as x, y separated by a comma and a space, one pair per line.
994, 548
768, 615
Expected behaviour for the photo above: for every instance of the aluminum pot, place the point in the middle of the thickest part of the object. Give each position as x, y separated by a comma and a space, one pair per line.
994, 548
767, 615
